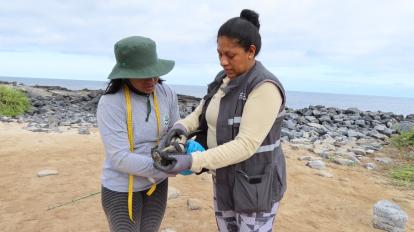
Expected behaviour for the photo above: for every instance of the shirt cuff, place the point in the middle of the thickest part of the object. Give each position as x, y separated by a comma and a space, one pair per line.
182, 126
197, 163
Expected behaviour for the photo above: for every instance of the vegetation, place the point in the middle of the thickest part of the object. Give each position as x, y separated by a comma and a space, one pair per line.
404, 140
403, 175
13, 102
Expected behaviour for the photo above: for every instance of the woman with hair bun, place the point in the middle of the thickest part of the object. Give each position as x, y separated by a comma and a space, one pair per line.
240, 120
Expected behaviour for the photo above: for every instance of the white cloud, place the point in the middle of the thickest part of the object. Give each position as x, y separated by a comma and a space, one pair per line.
55, 65
369, 39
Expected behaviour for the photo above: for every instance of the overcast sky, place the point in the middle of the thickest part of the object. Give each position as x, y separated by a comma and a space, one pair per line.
354, 46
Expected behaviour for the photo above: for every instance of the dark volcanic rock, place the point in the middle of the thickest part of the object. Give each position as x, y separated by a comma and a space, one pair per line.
54, 107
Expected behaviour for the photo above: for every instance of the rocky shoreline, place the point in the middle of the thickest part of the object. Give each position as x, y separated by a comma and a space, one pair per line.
55, 108
345, 136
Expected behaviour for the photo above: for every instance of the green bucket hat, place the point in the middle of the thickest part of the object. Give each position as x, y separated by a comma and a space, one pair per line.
136, 58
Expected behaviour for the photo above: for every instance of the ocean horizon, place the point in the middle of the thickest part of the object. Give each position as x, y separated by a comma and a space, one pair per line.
295, 99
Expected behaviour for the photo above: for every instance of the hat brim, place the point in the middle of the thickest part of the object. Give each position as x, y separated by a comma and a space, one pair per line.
160, 68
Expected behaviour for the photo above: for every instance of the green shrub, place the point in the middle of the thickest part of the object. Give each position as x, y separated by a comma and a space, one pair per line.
13, 102
403, 174
405, 139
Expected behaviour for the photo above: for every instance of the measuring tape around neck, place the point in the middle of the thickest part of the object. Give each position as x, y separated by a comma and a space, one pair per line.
131, 143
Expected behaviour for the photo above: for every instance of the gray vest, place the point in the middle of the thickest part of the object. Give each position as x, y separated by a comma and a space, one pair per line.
256, 183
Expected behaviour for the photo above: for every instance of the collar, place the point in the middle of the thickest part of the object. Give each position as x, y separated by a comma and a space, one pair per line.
135, 90
235, 82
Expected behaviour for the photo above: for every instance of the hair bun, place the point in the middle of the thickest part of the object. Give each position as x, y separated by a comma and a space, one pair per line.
250, 16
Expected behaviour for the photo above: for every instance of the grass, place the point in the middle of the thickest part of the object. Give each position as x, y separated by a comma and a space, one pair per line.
403, 175
13, 102
405, 144
404, 140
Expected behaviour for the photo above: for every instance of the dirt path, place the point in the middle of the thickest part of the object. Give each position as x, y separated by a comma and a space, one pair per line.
312, 203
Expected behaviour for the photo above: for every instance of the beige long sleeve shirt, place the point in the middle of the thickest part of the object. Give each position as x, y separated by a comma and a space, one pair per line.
259, 114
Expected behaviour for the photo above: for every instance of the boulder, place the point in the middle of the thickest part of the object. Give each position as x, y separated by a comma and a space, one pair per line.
405, 126
389, 216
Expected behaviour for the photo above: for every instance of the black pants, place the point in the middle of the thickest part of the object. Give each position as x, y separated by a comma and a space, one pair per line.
147, 211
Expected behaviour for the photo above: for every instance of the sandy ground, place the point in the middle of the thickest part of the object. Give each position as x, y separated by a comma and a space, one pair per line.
312, 203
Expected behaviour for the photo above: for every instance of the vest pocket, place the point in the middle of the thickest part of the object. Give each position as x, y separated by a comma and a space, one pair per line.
279, 180
252, 193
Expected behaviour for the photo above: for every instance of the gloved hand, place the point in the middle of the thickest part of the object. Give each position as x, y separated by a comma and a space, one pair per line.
157, 175
174, 134
172, 163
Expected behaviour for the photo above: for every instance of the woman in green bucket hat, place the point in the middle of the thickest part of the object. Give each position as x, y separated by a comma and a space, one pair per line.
133, 116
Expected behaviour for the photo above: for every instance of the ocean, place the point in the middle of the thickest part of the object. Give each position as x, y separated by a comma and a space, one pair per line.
295, 99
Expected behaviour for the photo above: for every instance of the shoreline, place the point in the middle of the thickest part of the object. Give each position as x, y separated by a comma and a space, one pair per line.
295, 99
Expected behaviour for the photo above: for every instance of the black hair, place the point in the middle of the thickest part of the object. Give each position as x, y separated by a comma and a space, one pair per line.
244, 29
115, 85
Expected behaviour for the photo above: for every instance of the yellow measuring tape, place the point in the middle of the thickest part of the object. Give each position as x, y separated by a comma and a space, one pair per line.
131, 144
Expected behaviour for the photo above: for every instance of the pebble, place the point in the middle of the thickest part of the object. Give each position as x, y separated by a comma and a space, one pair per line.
324, 174
351, 156
384, 160
173, 193
84, 131
193, 204
206, 177
308, 147
321, 151
358, 151
316, 164
47, 172
306, 157
342, 161
168, 230
369, 166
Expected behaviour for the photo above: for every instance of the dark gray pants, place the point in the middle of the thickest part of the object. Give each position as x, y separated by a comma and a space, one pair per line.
147, 211
231, 221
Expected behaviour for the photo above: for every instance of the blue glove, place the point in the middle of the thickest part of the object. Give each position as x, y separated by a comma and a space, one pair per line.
190, 147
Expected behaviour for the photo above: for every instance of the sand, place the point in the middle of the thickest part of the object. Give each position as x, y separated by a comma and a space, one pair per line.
312, 202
